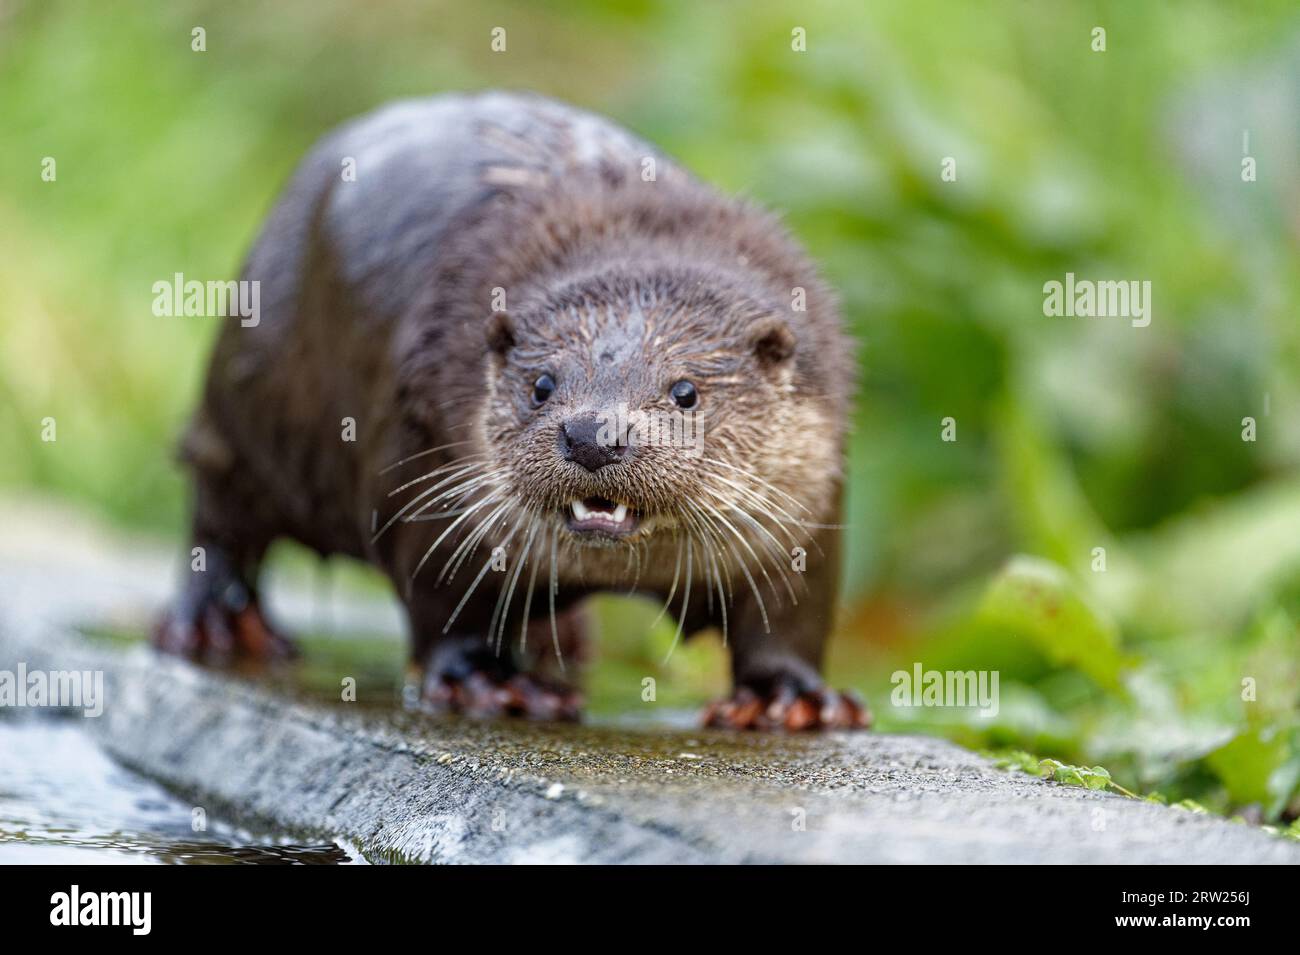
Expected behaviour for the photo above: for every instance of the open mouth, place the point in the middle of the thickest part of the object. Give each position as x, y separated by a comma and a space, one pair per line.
598, 515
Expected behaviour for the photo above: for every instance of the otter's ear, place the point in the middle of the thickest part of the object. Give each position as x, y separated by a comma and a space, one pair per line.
500, 334
773, 342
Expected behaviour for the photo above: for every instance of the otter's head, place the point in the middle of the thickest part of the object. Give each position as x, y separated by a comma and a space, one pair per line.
636, 402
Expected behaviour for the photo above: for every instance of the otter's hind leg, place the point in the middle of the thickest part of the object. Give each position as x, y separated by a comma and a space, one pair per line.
216, 615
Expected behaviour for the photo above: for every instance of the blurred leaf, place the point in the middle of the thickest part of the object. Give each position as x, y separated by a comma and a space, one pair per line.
1034, 598
1258, 766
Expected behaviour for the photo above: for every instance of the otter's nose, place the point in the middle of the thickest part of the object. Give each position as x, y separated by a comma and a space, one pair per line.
580, 443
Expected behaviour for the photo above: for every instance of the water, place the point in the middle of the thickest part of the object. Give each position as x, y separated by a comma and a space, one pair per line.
63, 800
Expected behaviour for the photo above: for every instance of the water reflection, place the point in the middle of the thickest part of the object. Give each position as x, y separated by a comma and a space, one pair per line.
63, 800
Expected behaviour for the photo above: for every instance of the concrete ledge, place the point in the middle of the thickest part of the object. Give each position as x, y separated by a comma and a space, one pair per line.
402, 787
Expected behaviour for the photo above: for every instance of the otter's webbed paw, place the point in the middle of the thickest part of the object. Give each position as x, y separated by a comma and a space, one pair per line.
785, 707
487, 693
221, 627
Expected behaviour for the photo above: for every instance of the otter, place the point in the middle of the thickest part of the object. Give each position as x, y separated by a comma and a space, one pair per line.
511, 355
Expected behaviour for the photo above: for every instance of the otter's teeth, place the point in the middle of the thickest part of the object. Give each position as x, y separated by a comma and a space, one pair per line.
582, 512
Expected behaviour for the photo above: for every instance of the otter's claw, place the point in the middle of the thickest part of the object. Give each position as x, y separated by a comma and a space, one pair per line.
787, 709
216, 632
482, 695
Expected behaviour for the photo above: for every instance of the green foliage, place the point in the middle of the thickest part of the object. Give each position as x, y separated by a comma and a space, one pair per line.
1096, 777
1034, 599
1175, 710
1292, 831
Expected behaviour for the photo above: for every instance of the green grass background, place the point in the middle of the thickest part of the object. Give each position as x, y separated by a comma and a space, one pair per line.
1073, 434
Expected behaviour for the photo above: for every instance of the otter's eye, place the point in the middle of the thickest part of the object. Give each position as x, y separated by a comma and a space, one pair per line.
684, 394
542, 389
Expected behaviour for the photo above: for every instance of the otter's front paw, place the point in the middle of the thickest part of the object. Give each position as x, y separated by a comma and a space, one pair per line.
786, 708
213, 629
482, 694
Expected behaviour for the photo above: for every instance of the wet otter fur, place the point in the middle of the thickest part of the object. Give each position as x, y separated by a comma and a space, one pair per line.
501, 300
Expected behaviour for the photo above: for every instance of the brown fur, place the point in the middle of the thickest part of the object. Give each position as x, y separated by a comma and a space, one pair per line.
615, 286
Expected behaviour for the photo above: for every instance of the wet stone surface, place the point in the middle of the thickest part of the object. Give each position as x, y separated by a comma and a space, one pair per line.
332, 781
400, 786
